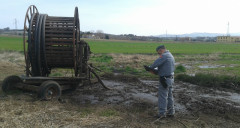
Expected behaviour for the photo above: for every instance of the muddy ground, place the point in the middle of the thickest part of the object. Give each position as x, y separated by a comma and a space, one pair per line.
132, 102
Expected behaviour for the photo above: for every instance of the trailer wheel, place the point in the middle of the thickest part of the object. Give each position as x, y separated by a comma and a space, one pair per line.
9, 83
49, 90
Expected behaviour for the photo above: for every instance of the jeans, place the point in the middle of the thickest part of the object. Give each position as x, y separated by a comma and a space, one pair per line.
165, 98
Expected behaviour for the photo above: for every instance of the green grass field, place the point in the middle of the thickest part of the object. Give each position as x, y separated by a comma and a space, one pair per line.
149, 47
11, 43
225, 56
133, 47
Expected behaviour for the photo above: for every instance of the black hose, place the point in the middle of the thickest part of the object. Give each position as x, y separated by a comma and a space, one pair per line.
34, 47
45, 70
29, 54
38, 45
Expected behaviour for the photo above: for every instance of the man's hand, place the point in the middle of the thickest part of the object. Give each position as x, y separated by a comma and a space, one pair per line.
147, 68
153, 71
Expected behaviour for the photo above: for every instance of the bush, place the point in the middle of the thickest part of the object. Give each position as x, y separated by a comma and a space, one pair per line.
210, 80
180, 69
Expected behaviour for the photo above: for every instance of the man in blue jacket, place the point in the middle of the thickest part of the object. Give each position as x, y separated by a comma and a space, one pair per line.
165, 70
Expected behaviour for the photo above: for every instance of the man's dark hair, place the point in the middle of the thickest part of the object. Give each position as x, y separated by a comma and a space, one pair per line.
160, 47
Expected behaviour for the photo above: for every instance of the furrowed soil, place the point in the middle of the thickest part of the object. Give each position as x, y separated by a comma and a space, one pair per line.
132, 102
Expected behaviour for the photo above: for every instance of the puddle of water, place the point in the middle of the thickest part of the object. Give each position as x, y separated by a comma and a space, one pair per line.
86, 99
128, 102
111, 93
212, 66
133, 91
114, 84
180, 108
177, 63
115, 74
234, 97
191, 74
187, 66
150, 82
114, 99
147, 97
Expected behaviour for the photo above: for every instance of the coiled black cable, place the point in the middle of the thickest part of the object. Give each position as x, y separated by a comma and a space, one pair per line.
36, 45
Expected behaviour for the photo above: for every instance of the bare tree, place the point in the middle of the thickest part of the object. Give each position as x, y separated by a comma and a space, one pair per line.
100, 34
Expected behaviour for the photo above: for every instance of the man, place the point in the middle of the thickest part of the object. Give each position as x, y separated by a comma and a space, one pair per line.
165, 70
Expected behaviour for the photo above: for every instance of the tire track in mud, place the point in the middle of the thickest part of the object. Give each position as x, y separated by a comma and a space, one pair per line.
188, 98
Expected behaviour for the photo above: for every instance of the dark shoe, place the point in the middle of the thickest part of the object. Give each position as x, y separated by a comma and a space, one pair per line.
170, 116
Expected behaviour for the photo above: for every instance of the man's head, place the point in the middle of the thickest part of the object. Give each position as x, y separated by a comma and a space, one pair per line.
160, 49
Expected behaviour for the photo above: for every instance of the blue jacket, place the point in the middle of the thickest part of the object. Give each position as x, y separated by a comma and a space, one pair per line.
165, 64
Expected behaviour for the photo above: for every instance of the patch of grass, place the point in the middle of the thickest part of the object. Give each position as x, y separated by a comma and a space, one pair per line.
232, 70
109, 113
105, 68
86, 111
229, 59
131, 70
211, 80
56, 74
11, 43
102, 58
229, 56
180, 69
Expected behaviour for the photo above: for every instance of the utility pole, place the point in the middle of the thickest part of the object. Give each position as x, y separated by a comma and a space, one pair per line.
166, 34
15, 22
228, 34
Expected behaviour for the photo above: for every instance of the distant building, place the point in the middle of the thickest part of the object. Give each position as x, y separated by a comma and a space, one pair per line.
185, 39
228, 39
90, 36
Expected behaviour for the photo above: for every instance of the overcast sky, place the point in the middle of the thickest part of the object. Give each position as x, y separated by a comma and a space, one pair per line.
140, 17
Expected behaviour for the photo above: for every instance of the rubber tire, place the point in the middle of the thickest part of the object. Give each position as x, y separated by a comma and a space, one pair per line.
49, 87
9, 82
